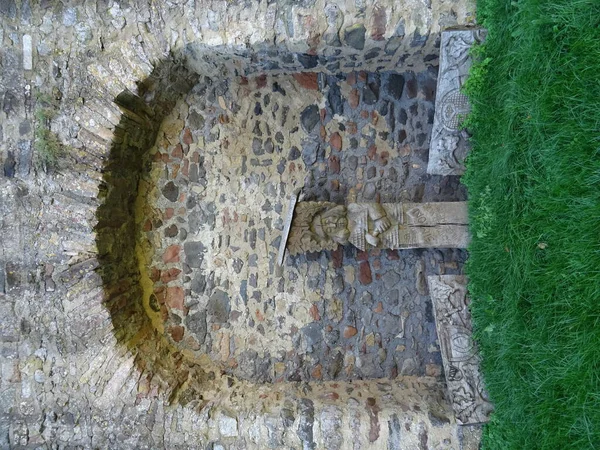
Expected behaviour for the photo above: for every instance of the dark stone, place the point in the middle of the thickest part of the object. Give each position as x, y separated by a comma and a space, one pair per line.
395, 430
393, 44
198, 284
312, 336
306, 411
278, 88
336, 364
258, 109
196, 323
279, 137
171, 231
353, 162
355, 36
257, 147
369, 191
294, 154
194, 174
281, 166
287, 416
194, 253
383, 108
237, 265
24, 127
310, 118
335, 99
369, 97
310, 152
191, 202
195, 120
418, 39
372, 54
8, 8
269, 145
307, 61
394, 86
371, 172
428, 87
170, 191
402, 116
244, 291
219, 307
9, 165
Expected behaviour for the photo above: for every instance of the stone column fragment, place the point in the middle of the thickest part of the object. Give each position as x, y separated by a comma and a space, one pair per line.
449, 144
459, 353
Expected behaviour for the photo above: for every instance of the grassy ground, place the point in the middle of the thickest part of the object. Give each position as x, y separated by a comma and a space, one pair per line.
534, 184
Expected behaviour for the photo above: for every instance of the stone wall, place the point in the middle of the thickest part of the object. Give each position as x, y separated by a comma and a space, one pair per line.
85, 91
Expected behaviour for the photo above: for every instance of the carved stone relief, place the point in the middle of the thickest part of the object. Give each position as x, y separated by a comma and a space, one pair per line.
319, 226
459, 353
449, 143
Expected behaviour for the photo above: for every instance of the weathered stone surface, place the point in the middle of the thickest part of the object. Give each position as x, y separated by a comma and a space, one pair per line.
449, 144
459, 352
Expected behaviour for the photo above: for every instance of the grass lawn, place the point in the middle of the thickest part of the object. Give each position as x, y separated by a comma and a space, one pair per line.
534, 184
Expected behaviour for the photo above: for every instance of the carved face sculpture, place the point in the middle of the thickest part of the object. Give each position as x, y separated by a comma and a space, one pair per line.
332, 224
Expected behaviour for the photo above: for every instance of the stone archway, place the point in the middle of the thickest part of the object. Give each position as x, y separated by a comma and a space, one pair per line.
143, 389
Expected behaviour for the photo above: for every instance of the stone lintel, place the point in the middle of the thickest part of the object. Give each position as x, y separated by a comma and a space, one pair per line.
459, 353
449, 144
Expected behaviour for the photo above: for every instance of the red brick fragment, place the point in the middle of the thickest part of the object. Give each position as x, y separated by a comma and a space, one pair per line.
354, 98
334, 164
364, 273
349, 332
261, 81
372, 151
336, 141
351, 78
176, 333
171, 254
169, 275
314, 312
337, 255
175, 298
308, 80
177, 151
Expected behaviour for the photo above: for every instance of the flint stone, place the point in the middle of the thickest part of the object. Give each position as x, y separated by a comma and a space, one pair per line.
394, 86
194, 253
219, 306
355, 36
308, 61
370, 94
196, 323
170, 191
310, 118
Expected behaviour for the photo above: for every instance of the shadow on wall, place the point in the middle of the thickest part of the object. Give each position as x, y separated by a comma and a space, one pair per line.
117, 233
163, 367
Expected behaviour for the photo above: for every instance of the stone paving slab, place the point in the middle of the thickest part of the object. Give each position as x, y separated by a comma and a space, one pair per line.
459, 352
